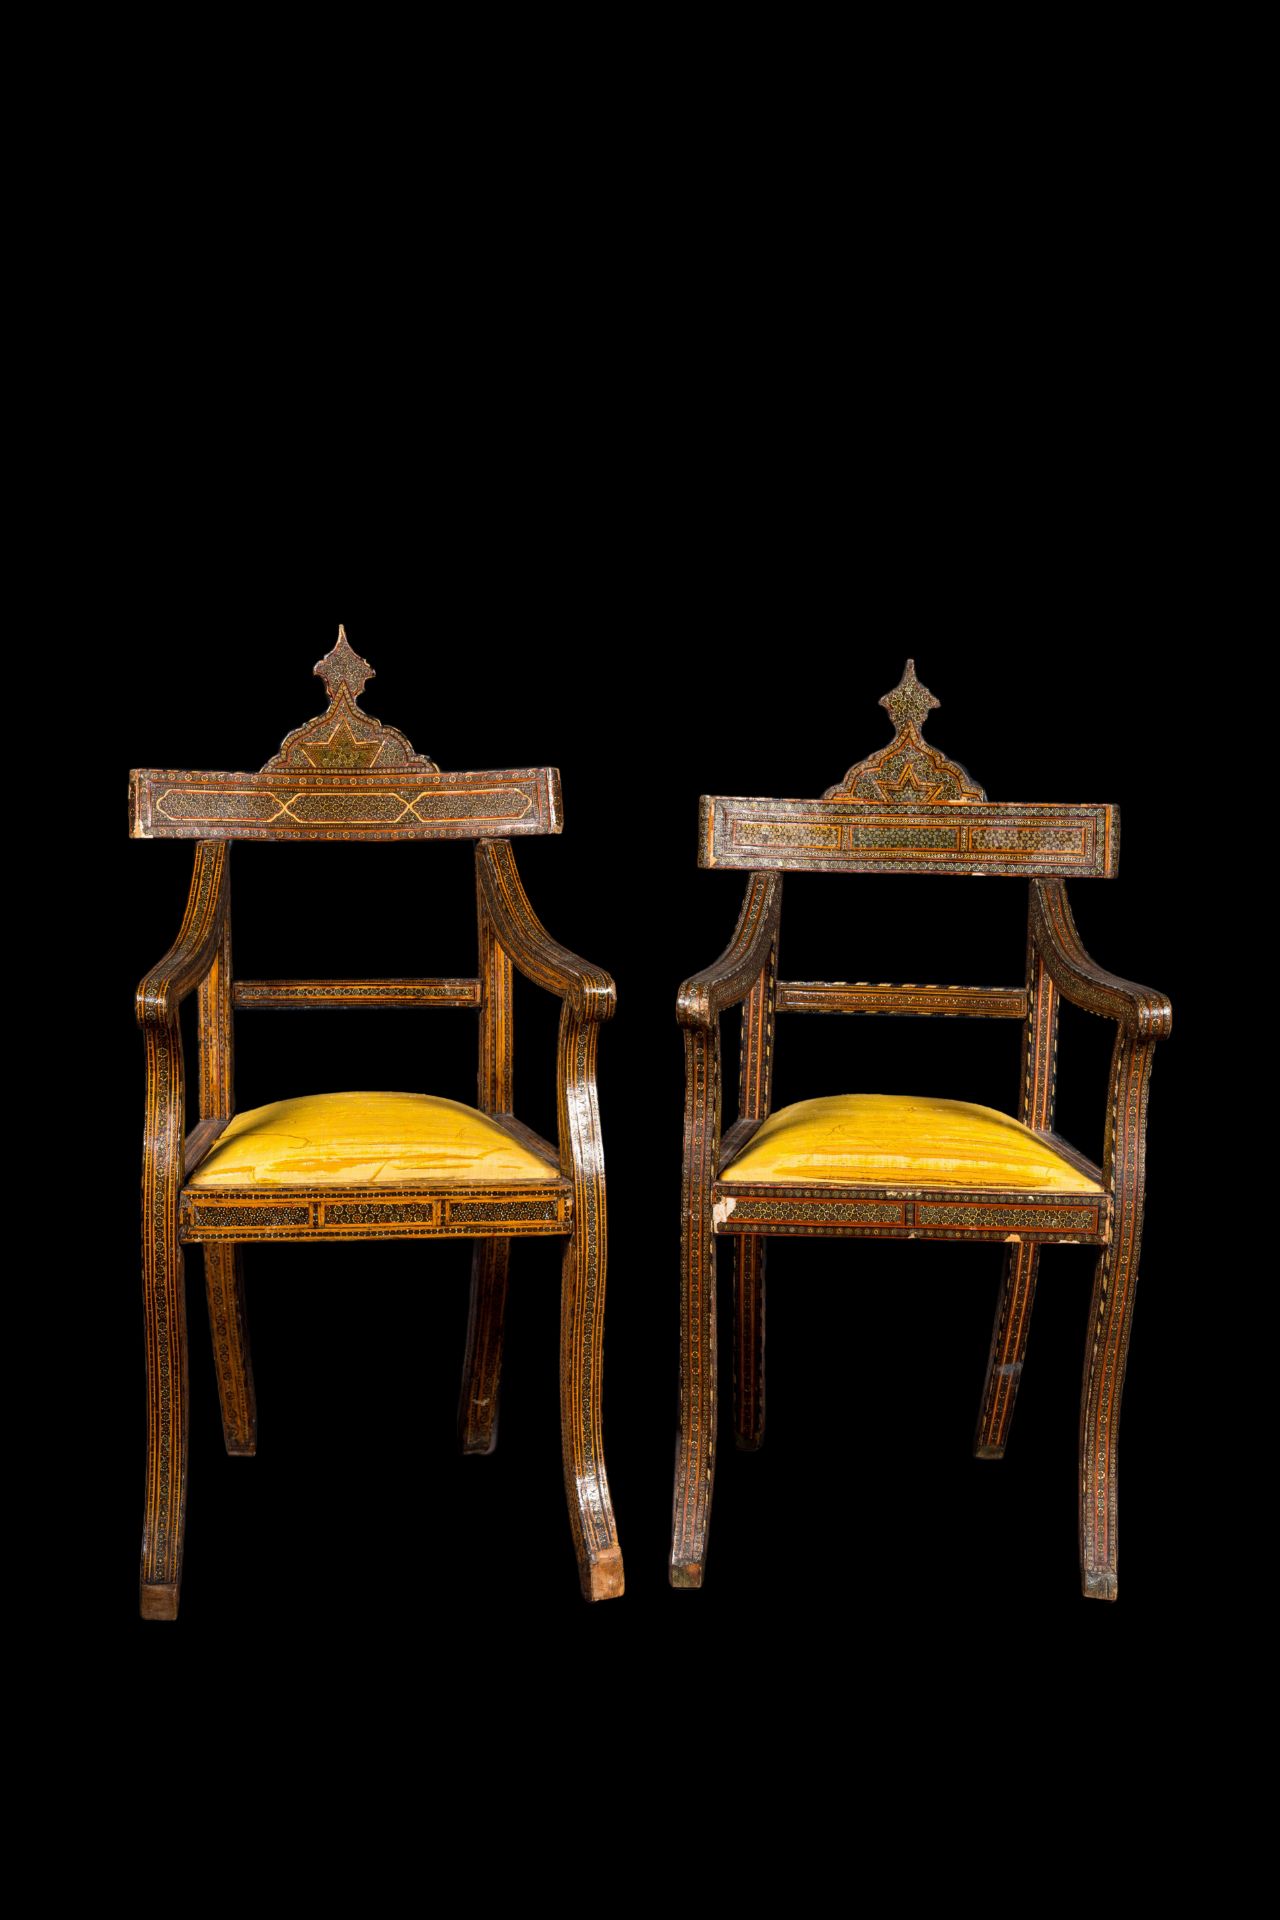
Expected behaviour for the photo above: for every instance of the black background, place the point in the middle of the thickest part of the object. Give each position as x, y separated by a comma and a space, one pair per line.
647, 444
655, 650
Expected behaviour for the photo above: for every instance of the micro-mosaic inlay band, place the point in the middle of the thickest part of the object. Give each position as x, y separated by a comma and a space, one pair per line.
343, 775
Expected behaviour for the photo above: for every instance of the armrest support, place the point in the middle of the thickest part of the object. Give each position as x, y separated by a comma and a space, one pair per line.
704, 996
588, 991
194, 951
1140, 1011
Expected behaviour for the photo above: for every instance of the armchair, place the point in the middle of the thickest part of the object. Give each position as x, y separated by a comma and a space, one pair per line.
883, 1166
364, 1166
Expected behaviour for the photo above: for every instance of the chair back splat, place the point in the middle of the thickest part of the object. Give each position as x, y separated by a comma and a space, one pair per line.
362, 1165
882, 1166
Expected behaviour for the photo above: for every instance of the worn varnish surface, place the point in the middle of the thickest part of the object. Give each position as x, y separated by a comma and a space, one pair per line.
908, 809
344, 775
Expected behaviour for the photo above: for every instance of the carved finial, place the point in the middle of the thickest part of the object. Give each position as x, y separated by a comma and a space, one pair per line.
343, 667
909, 703
345, 739
908, 772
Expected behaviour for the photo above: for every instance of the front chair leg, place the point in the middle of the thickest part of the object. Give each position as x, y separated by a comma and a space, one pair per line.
482, 1367
748, 1340
1008, 1350
1110, 1320
165, 1324
696, 1441
165, 1511
224, 1289
595, 1533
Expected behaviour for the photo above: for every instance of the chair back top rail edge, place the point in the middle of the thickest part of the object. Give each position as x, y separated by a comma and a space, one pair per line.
344, 776
909, 809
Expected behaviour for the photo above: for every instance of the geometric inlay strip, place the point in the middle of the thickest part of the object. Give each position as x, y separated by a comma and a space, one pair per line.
976, 836
313, 805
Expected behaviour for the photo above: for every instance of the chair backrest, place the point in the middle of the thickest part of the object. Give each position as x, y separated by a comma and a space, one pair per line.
343, 776
908, 809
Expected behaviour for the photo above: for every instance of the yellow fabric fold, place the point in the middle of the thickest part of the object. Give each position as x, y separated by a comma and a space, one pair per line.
878, 1139
365, 1139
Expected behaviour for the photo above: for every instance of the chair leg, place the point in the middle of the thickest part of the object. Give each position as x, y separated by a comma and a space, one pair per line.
696, 1441
224, 1290
582, 1291
748, 1340
1110, 1320
595, 1532
165, 1511
1008, 1350
482, 1366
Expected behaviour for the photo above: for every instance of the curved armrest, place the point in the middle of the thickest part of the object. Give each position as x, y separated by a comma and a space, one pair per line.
705, 995
588, 991
196, 947
1141, 1011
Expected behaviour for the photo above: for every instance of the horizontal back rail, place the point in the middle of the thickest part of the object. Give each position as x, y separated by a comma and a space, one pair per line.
843, 836
288, 804
863, 996
310, 995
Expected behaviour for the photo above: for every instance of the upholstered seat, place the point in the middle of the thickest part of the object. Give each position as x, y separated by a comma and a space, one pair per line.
366, 1139
881, 1139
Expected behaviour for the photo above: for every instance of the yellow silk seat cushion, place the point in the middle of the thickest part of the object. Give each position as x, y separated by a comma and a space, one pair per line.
365, 1139
902, 1139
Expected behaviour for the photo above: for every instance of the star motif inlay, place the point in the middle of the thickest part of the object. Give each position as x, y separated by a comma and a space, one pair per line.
342, 749
343, 667
924, 789
909, 702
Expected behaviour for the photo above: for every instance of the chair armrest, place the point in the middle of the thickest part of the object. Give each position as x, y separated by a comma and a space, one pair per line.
196, 947
704, 996
588, 991
1141, 1011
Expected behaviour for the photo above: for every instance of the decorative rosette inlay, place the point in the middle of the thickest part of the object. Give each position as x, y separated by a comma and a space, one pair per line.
907, 770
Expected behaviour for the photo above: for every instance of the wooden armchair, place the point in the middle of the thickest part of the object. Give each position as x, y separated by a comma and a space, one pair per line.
357, 1166
886, 1167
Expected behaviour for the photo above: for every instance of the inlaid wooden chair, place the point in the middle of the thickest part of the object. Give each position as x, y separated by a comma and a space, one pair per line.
364, 1166
888, 1167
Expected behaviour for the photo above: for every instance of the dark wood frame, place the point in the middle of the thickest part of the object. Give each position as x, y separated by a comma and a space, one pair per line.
907, 809
345, 775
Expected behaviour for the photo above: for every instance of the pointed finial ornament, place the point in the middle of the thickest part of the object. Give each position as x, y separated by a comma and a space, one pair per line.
345, 740
908, 772
343, 667
908, 705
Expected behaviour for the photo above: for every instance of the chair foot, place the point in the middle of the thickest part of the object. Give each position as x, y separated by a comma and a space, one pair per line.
158, 1603
602, 1579
1099, 1584
982, 1452
482, 1443
243, 1449
686, 1573
748, 1442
